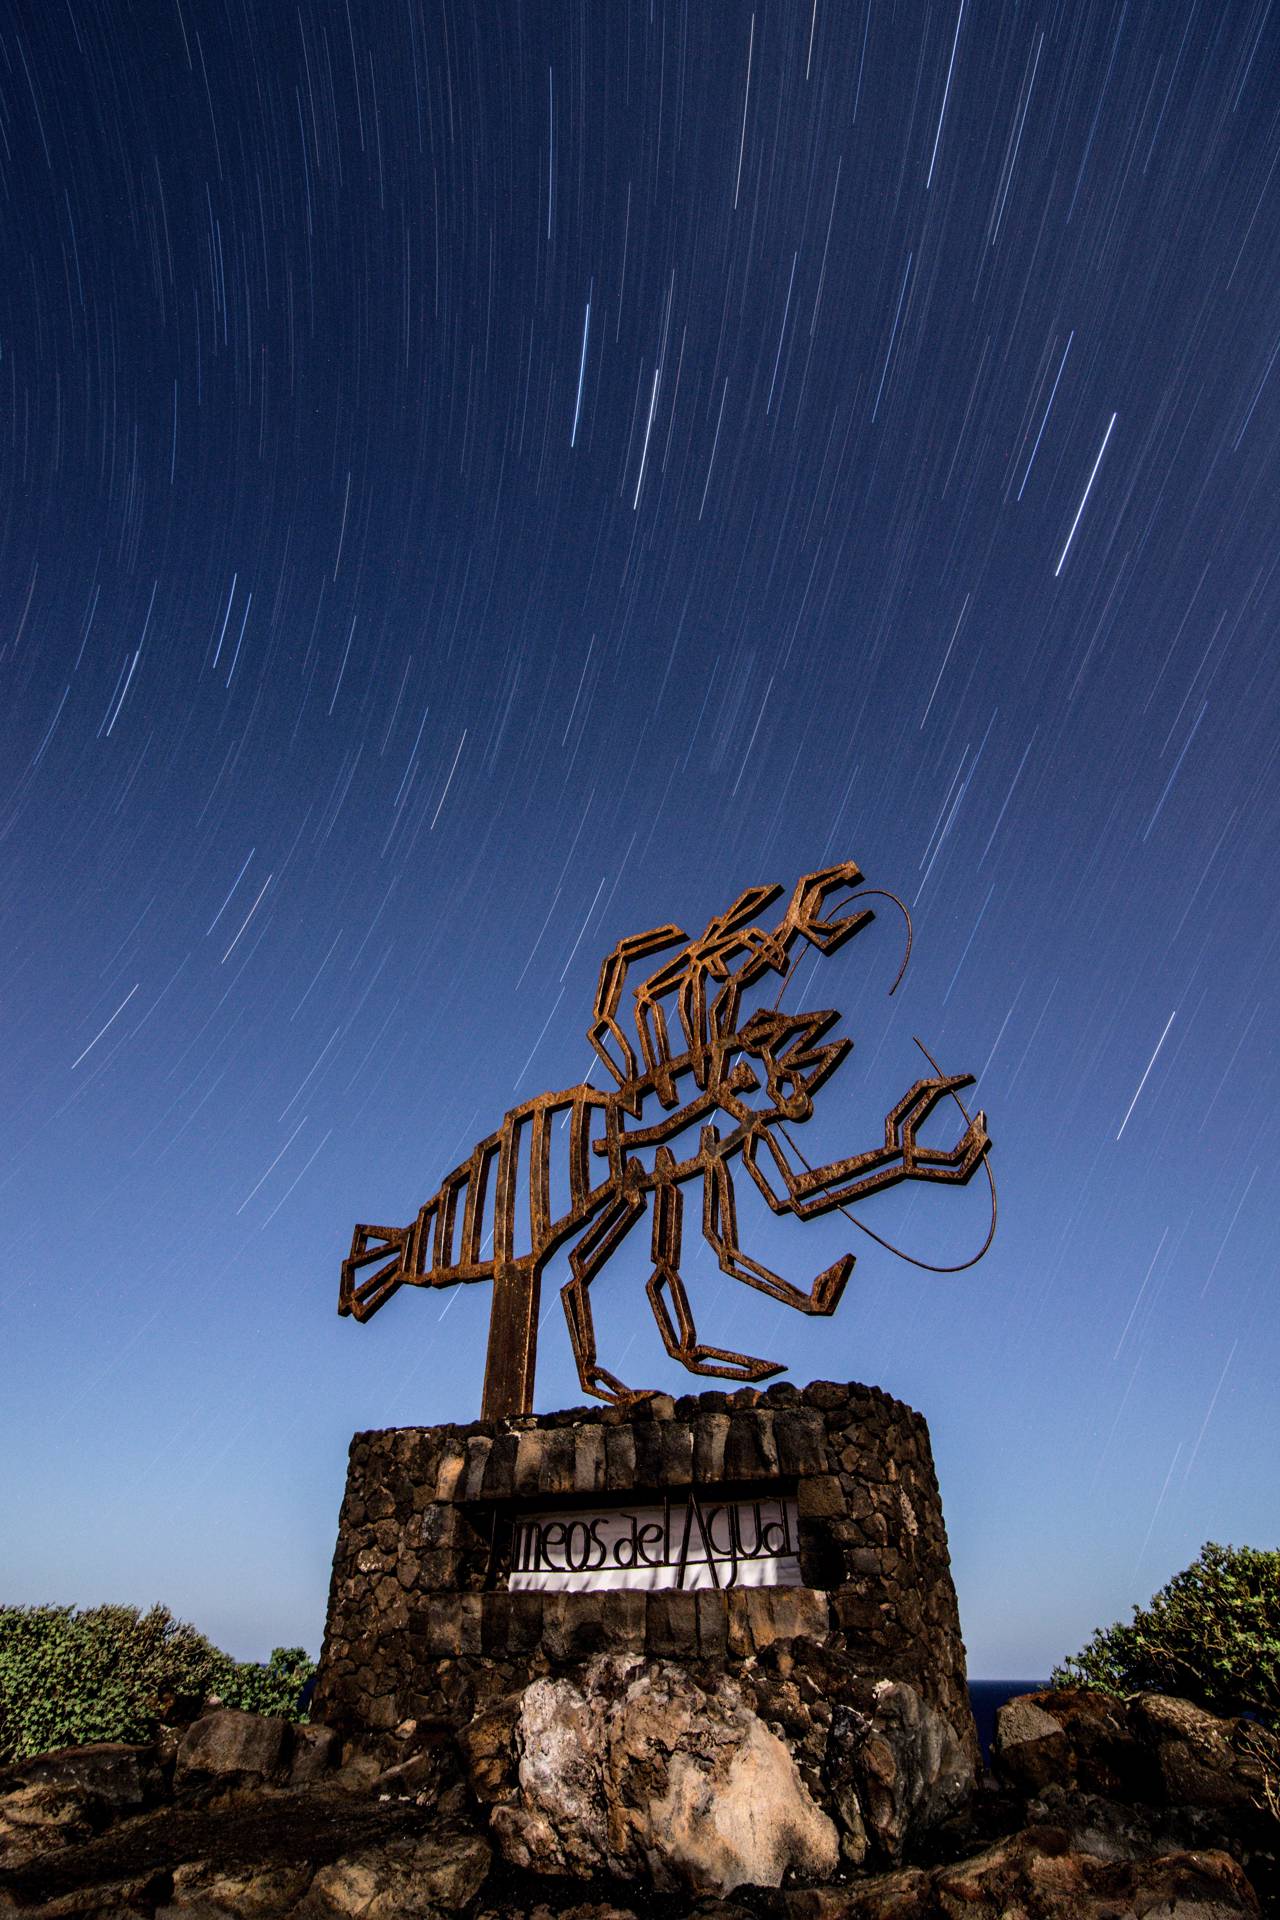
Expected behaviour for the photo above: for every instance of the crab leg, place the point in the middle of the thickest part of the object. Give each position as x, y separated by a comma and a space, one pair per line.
720, 1229
680, 1338
596, 1246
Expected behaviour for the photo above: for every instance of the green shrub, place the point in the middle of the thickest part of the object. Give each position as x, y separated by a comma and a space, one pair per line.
274, 1688
1211, 1636
115, 1673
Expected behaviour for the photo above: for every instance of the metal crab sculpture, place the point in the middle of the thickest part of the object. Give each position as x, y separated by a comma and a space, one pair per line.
722, 1059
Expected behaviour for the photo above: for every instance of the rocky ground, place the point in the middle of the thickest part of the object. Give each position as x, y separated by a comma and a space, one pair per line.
1097, 1809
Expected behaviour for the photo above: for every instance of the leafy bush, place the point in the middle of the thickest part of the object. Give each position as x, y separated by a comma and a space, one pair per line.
275, 1688
115, 1673
1211, 1636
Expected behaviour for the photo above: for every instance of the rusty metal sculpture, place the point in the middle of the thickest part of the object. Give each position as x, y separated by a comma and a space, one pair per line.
783, 1056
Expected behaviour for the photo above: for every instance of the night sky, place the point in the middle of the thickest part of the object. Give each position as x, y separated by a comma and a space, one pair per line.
482, 480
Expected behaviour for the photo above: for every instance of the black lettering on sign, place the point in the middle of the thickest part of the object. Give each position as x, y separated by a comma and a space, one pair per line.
649, 1540
685, 1543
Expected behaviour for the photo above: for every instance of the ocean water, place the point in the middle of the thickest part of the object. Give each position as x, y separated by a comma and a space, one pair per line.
986, 1697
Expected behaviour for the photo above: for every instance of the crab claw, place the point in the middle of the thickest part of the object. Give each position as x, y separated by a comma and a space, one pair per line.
805, 915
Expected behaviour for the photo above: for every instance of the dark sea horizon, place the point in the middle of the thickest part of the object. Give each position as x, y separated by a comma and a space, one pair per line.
987, 1697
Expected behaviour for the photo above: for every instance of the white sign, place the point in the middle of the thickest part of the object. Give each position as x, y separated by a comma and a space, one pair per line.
687, 1543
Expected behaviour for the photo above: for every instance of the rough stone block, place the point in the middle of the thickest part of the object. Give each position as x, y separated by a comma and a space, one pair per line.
713, 1623
231, 1746
820, 1496
625, 1617
589, 1460
439, 1571
442, 1625
379, 1504
909, 1612
479, 1448
760, 1615
738, 1644
797, 1613
530, 1449
863, 1560
800, 1437
651, 1452
499, 1474
558, 1461
855, 1613
524, 1623
449, 1473
573, 1625
390, 1603
749, 1452
857, 1498
315, 1752
710, 1431
672, 1632
471, 1610
782, 1393
619, 1459
676, 1451
495, 1610
446, 1525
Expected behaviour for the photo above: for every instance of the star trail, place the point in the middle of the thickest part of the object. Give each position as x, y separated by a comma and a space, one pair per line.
482, 480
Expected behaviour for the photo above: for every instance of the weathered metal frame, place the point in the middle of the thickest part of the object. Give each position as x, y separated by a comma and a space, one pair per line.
705, 983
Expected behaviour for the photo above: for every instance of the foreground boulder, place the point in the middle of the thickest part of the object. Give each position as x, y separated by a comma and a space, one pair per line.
1207, 1762
633, 1771
1073, 1737
634, 1768
896, 1768
416, 1876
1035, 1873
232, 1749
209, 1888
58, 1799
1133, 1779
1150, 1749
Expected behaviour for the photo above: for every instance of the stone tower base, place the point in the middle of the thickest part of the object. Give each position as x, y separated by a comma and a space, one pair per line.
841, 1702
